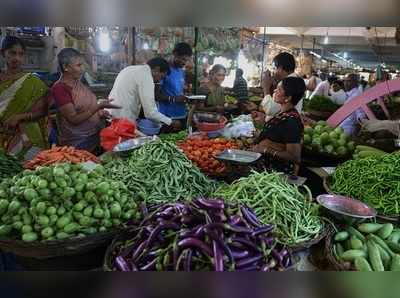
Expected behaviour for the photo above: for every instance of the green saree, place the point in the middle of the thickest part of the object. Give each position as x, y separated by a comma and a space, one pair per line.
18, 96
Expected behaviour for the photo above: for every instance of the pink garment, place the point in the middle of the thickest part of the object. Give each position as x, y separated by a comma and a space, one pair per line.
86, 134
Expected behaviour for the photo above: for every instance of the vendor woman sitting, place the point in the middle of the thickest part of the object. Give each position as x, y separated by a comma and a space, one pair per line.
280, 139
214, 91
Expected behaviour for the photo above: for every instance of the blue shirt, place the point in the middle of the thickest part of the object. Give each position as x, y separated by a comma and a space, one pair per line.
173, 85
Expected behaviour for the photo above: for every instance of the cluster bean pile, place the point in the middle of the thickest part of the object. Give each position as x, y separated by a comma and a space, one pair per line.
62, 201
374, 180
158, 172
202, 235
275, 201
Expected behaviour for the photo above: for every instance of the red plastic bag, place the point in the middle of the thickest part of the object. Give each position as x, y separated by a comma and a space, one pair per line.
120, 130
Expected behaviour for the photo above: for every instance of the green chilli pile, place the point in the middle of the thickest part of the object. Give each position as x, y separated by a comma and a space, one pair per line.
277, 202
173, 137
374, 180
62, 201
159, 172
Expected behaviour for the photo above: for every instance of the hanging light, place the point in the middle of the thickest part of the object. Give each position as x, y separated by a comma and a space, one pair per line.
205, 60
104, 41
345, 55
326, 39
146, 46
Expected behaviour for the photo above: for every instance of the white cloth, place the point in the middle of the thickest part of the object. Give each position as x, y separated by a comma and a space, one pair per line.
339, 97
322, 89
349, 125
134, 89
271, 108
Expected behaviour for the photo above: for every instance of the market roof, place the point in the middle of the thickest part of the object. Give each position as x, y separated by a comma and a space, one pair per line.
364, 46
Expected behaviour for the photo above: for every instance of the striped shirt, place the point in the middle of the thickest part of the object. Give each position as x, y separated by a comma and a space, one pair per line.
240, 89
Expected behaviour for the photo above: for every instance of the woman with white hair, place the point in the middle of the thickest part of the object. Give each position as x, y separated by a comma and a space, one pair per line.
79, 114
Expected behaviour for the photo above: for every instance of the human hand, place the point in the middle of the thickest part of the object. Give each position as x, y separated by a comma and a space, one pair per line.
258, 117
106, 104
14, 121
180, 99
267, 80
104, 114
176, 125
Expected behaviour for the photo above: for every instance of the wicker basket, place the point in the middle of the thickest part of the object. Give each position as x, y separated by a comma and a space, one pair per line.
326, 182
57, 248
307, 244
319, 159
334, 263
128, 234
318, 115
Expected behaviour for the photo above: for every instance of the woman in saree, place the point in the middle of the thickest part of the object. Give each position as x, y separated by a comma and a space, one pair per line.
23, 103
214, 91
79, 115
281, 137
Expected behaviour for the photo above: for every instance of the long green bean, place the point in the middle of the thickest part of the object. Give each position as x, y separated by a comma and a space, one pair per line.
275, 201
158, 172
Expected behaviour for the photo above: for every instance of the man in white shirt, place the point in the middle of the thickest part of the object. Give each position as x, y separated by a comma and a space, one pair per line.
133, 90
323, 88
351, 124
284, 65
338, 96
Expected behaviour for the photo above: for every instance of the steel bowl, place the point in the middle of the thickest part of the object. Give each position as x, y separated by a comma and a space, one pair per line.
346, 209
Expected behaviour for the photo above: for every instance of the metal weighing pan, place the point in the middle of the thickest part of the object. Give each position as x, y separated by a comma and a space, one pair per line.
238, 156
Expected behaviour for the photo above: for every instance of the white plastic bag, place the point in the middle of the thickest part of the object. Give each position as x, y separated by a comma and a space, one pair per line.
241, 126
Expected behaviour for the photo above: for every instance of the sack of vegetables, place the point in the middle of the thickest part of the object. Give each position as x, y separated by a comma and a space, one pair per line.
50, 206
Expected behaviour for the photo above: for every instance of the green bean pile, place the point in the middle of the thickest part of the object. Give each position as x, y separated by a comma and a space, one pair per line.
158, 172
374, 180
275, 201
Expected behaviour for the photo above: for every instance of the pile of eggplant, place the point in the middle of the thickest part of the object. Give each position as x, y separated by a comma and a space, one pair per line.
201, 235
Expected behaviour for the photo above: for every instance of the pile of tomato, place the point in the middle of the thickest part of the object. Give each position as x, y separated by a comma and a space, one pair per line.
202, 152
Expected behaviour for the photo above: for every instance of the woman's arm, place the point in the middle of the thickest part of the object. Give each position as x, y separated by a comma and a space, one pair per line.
292, 152
39, 111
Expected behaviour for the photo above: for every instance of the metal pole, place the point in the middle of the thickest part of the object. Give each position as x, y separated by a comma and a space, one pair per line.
133, 45
195, 77
263, 52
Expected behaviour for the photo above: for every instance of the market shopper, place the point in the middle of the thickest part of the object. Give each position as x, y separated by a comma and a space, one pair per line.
240, 86
280, 139
351, 124
170, 95
284, 65
337, 93
324, 87
133, 90
79, 115
214, 91
23, 102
